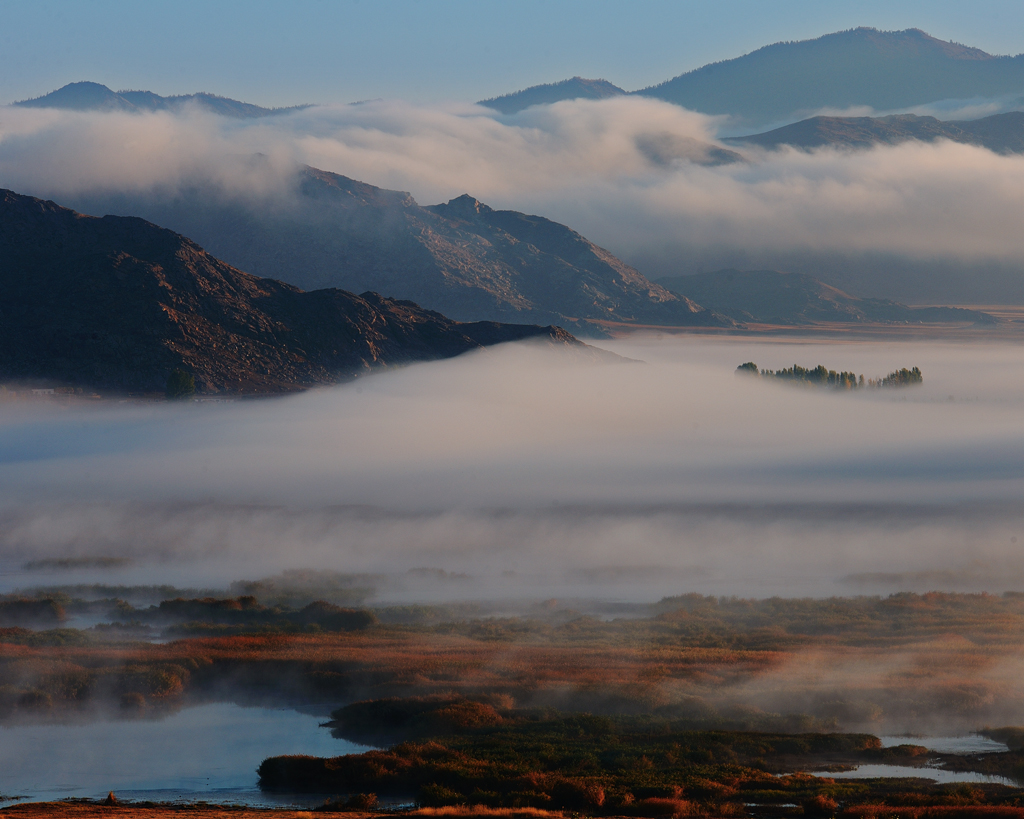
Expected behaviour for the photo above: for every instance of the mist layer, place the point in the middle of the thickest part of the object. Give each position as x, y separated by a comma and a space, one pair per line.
536, 475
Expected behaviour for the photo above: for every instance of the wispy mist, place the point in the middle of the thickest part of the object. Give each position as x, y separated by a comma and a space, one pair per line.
581, 162
538, 475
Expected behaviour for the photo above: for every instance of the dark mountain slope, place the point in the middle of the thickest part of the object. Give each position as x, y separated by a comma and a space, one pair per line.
91, 96
883, 69
576, 88
771, 297
118, 302
1002, 133
463, 258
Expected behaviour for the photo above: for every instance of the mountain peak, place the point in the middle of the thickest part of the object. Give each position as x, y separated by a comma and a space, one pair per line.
92, 96
885, 70
575, 88
79, 291
81, 96
463, 207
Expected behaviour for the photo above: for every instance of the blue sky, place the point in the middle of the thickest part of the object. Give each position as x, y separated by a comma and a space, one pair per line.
275, 53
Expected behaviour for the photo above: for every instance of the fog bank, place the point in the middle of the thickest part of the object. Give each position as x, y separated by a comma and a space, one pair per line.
588, 164
539, 476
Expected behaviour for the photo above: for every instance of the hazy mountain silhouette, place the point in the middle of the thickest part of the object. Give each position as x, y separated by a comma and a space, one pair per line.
462, 258
1002, 133
863, 66
91, 96
118, 303
576, 88
886, 70
772, 297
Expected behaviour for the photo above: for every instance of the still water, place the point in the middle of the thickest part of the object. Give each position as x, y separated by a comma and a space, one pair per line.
967, 744
903, 771
207, 752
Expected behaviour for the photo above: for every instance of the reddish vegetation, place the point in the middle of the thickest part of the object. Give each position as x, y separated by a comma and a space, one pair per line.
852, 663
934, 812
65, 810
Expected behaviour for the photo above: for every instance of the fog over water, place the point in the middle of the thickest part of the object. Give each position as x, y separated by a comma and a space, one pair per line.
538, 476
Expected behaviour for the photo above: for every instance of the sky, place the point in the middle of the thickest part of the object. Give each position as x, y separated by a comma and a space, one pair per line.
278, 54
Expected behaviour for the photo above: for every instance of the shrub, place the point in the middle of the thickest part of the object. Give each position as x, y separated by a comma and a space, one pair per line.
820, 806
662, 806
180, 384
433, 795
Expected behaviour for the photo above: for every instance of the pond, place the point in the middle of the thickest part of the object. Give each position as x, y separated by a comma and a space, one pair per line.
206, 752
966, 744
905, 771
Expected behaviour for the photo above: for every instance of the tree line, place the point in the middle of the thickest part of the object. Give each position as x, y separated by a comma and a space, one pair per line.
821, 376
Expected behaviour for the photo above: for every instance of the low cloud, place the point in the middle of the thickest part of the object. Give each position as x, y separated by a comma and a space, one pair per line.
542, 477
589, 164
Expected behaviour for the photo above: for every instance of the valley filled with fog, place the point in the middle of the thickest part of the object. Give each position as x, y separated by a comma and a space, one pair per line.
577, 452
536, 475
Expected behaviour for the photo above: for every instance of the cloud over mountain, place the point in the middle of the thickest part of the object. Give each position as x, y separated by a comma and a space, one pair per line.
588, 164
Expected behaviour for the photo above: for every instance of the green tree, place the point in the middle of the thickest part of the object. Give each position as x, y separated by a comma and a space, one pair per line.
180, 384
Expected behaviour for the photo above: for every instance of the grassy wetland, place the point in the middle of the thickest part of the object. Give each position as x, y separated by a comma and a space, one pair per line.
692, 705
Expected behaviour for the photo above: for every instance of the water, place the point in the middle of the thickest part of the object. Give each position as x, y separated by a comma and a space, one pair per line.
210, 753
207, 752
969, 744
904, 771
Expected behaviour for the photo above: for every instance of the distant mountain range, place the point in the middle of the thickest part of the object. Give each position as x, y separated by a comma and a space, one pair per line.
117, 303
1002, 133
883, 70
462, 258
91, 96
886, 70
576, 88
772, 297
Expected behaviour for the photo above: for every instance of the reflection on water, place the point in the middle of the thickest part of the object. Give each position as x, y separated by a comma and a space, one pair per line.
969, 744
207, 752
902, 771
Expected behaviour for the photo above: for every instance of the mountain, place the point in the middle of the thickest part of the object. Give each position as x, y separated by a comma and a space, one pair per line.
885, 70
576, 88
118, 302
462, 258
1002, 133
91, 96
771, 297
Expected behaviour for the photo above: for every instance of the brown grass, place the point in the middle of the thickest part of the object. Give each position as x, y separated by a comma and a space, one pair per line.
854, 659
484, 811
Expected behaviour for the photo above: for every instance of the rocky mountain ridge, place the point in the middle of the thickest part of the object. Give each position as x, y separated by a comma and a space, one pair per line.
117, 303
463, 258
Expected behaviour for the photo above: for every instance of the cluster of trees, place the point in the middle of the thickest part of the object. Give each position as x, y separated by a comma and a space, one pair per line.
821, 376
900, 378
